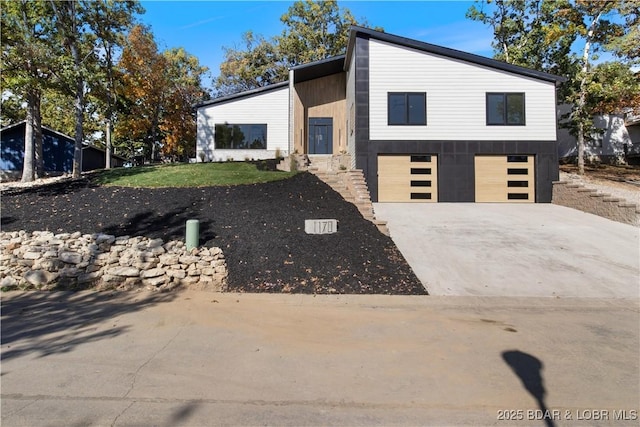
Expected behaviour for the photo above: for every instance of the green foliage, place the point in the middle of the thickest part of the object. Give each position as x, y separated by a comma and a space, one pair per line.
157, 93
539, 34
257, 64
189, 175
529, 33
314, 30
27, 48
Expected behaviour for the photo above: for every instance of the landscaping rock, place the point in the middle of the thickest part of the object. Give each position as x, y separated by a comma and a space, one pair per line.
39, 278
33, 261
124, 271
154, 272
71, 257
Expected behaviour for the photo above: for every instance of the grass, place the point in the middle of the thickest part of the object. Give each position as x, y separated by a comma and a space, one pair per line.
189, 175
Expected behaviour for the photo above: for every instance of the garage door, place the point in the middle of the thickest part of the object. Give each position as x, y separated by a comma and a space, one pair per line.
505, 178
407, 178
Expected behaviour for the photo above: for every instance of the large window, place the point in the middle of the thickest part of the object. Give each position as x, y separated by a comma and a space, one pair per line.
241, 137
505, 109
407, 108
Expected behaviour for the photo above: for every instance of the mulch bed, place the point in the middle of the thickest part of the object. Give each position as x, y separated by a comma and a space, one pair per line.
259, 227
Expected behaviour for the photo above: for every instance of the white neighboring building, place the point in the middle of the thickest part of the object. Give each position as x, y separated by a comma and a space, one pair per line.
608, 146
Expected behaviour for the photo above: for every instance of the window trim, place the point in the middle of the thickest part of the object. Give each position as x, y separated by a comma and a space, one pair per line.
406, 104
506, 108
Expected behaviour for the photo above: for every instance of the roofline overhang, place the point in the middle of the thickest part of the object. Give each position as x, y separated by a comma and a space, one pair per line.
446, 52
317, 69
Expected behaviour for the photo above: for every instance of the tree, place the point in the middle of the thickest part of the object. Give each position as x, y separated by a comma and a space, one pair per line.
109, 20
26, 53
596, 23
540, 34
178, 123
142, 92
313, 31
157, 94
78, 57
258, 64
529, 33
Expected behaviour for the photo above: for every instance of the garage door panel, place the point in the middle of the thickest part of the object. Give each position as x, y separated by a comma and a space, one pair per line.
505, 179
407, 178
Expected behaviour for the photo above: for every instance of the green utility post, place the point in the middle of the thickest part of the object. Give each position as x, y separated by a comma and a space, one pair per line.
192, 234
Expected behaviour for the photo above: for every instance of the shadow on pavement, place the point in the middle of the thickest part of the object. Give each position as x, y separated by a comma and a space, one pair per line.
45, 323
529, 369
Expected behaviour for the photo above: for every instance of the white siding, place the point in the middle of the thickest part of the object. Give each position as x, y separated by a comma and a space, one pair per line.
456, 97
350, 110
270, 107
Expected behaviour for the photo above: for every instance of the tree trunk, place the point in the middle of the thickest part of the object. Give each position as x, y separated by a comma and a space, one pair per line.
582, 100
37, 135
27, 167
580, 142
107, 155
77, 104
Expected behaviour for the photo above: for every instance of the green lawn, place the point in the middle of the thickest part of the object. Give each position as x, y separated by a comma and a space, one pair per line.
189, 175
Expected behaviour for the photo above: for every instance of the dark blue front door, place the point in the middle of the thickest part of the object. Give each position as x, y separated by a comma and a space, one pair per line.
320, 135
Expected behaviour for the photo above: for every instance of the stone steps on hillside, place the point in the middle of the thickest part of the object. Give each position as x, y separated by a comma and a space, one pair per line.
351, 185
578, 196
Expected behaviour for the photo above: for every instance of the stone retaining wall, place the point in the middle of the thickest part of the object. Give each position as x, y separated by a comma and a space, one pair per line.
43, 260
577, 196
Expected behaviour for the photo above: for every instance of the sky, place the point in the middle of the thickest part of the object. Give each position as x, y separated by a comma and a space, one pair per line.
203, 28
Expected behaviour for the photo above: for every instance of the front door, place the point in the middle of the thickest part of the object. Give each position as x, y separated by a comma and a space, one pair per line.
320, 135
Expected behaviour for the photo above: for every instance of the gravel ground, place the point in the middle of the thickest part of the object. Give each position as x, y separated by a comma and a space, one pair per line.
259, 227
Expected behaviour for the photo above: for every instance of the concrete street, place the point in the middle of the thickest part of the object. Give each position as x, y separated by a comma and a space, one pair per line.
198, 359
502, 249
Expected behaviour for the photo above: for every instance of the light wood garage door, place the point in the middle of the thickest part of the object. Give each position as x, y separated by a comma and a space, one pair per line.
505, 179
407, 178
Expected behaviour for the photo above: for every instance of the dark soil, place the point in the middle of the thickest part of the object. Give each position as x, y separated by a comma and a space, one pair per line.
259, 227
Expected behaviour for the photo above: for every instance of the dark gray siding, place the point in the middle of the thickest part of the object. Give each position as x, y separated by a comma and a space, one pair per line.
456, 169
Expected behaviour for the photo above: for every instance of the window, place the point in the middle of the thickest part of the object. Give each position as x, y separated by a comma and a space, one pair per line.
517, 171
407, 108
517, 159
418, 159
241, 137
505, 109
596, 138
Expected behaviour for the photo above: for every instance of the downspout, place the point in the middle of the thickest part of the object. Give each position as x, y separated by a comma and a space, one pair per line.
292, 89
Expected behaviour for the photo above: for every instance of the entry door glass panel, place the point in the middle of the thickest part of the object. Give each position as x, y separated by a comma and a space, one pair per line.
320, 136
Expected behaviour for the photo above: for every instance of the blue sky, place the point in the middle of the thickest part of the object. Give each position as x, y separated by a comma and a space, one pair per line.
203, 28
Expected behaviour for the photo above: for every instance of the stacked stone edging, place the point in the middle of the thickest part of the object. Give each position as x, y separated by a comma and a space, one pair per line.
577, 196
44, 260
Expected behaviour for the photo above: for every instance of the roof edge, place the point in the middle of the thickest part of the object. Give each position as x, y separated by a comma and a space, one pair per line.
246, 93
24, 122
450, 53
319, 62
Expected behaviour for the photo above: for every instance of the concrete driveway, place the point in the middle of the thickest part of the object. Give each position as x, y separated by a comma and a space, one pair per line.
515, 249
